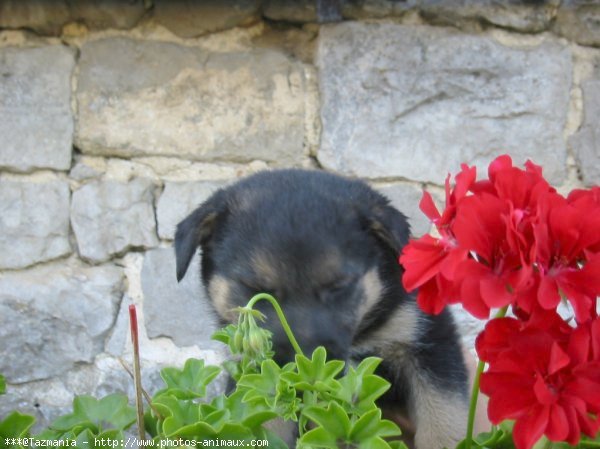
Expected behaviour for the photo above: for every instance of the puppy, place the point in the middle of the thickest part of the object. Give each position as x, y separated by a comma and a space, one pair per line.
327, 248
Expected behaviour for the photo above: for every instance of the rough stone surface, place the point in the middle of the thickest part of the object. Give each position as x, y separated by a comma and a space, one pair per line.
102, 14
178, 199
515, 14
420, 101
49, 399
579, 20
189, 18
34, 222
586, 142
48, 17
179, 311
41, 15
54, 317
237, 106
405, 197
36, 123
299, 11
109, 217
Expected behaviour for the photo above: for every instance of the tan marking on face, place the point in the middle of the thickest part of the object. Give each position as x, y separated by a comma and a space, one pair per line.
373, 288
219, 291
402, 327
264, 269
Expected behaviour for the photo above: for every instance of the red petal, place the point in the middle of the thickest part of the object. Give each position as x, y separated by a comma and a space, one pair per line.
529, 429
587, 390
463, 181
579, 345
574, 429
421, 259
502, 162
558, 424
558, 359
451, 262
428, 207
548, 295
470, 294
543, 393
495, 338
478, 226
596, 339
429, 299
494, 292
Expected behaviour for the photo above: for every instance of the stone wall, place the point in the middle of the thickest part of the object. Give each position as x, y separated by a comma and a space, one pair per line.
118, 118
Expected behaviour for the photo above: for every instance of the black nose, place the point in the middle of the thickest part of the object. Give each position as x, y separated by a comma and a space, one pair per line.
337, 348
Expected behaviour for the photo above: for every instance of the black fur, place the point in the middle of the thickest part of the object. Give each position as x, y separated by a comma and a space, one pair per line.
311, 238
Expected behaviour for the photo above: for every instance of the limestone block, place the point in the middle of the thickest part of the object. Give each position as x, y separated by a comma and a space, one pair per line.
179, 311
36, 123
40, 15
178, 199
109, 217
586, 142
54, 317
405, 197
579, 20
189, 18
515, 14
34, 222
103, 14
48, 17
139, 98
298, 11
418, 101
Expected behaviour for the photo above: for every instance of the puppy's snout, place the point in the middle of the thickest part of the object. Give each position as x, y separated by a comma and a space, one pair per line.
319, 328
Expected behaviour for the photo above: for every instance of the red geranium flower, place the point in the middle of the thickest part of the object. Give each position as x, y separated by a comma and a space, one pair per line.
512, 240
548, 386
430, 262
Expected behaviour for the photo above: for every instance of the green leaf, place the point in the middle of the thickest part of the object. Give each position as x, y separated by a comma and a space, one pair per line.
87, 440
270, 388
360, 388
374, 443
110, 412
251, 415
334, 419
178, 413
275, 442
2, 384
262, 386
226, 334
318, 437
315, 374
15, 425
189, 383
371, 425
397, 444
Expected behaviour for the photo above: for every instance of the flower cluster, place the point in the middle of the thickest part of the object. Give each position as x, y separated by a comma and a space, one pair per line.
513, 240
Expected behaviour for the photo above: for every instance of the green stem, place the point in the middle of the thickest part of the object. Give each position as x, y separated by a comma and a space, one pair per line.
280, 315
475, 391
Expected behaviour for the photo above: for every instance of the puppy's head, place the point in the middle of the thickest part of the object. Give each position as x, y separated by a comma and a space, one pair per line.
326, 247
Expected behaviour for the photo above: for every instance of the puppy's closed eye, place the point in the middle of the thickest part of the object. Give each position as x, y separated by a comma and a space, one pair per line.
340, 283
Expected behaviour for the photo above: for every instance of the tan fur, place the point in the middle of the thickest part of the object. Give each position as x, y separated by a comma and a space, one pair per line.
265, 269
440, 417
373, 288
400, 328
218, 289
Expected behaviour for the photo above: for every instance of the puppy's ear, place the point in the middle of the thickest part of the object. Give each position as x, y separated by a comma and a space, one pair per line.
196, 230
389, 225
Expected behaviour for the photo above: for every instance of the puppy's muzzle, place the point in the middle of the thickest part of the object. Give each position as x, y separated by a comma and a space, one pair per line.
312, 327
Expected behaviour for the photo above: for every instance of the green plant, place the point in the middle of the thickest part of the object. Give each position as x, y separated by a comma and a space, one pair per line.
330, 410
